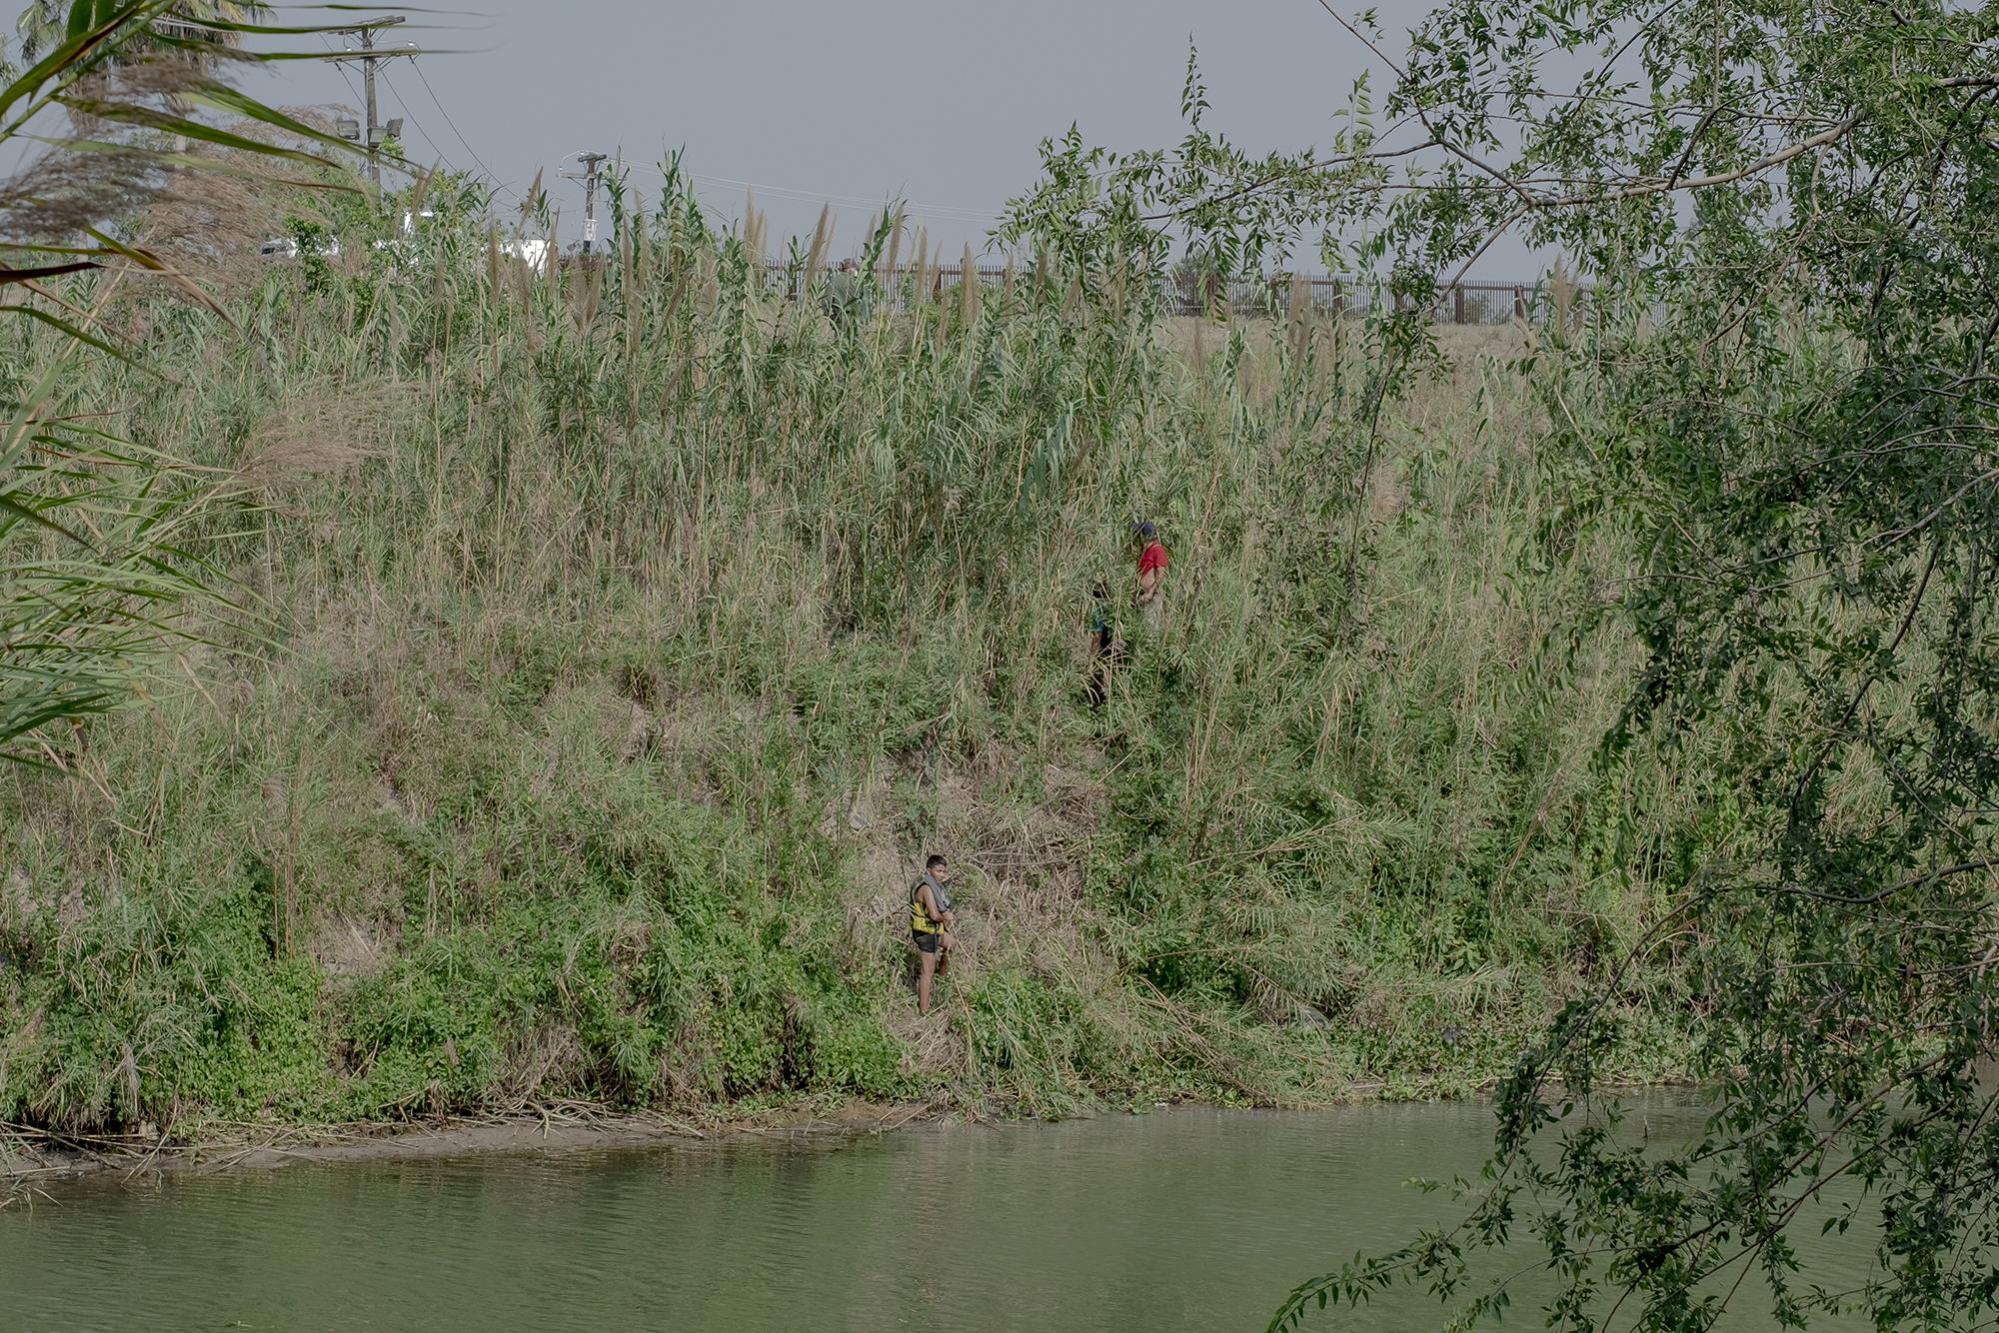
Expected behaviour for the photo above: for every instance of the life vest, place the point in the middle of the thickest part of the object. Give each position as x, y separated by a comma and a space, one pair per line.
919, 920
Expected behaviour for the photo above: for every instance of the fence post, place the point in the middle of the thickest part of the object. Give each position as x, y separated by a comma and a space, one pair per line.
1339, 298
1520, 304
1458, 302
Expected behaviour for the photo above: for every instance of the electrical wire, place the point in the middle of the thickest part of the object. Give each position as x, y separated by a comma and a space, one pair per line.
341, 68
359, 99
402, 102
491, 175
411, 116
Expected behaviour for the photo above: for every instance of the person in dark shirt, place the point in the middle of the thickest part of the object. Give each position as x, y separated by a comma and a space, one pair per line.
930, 921
1103, 647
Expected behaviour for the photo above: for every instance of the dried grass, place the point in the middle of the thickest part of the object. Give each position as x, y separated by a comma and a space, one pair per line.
318, 434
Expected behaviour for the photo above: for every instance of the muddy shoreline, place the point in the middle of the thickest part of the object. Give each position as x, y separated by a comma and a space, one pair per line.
31, 1159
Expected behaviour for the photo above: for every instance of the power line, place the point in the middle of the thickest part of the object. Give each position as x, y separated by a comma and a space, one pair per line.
410, 113
491, 175
344, 76
371, 138
403, 102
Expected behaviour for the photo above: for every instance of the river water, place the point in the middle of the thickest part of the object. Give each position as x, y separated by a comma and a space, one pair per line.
1194, 1220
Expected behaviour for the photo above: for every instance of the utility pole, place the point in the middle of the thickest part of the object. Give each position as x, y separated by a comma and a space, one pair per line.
591, 175
368, 57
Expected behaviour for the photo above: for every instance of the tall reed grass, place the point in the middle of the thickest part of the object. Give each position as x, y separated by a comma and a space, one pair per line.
640, 630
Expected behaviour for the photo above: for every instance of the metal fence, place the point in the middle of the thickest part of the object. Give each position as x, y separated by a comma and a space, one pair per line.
1462, 303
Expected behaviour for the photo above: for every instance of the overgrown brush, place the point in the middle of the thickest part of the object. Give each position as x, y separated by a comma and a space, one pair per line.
641, 628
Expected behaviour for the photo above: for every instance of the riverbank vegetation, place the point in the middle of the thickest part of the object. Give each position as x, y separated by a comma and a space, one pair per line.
1782, 385
620, 638
547, 682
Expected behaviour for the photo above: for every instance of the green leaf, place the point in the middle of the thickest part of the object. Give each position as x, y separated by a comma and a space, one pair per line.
80, 335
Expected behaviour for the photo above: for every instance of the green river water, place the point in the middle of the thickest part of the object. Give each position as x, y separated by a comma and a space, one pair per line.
1195, 1220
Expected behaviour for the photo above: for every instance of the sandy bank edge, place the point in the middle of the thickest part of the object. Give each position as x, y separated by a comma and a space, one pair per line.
32, 1160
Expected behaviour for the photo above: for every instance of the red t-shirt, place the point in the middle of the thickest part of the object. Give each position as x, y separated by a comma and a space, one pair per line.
1154, 558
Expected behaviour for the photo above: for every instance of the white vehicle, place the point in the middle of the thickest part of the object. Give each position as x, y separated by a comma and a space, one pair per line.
286, 247
408, 227
530, 251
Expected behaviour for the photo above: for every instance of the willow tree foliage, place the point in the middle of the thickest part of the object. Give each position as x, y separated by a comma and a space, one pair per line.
1783, 386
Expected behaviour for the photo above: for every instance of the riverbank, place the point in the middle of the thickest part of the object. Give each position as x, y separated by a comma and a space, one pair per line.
30, 1159
625, 651
33, 1159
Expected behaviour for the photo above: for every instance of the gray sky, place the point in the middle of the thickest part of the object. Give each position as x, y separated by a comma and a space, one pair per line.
939, 101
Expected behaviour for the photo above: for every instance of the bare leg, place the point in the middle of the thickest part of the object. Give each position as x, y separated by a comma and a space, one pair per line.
945, 944
926, 967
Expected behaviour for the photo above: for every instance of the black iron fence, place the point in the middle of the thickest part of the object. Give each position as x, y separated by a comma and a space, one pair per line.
1470, 302
1480, 302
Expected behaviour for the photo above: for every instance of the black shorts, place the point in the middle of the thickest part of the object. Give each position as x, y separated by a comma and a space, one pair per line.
926, 942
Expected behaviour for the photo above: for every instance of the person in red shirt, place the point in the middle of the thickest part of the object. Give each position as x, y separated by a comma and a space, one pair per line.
1152, 562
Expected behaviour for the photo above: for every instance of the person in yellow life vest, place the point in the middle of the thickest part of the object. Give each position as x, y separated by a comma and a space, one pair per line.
930, 922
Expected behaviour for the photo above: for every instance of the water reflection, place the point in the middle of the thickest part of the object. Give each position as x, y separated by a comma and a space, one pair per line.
1182, 1220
